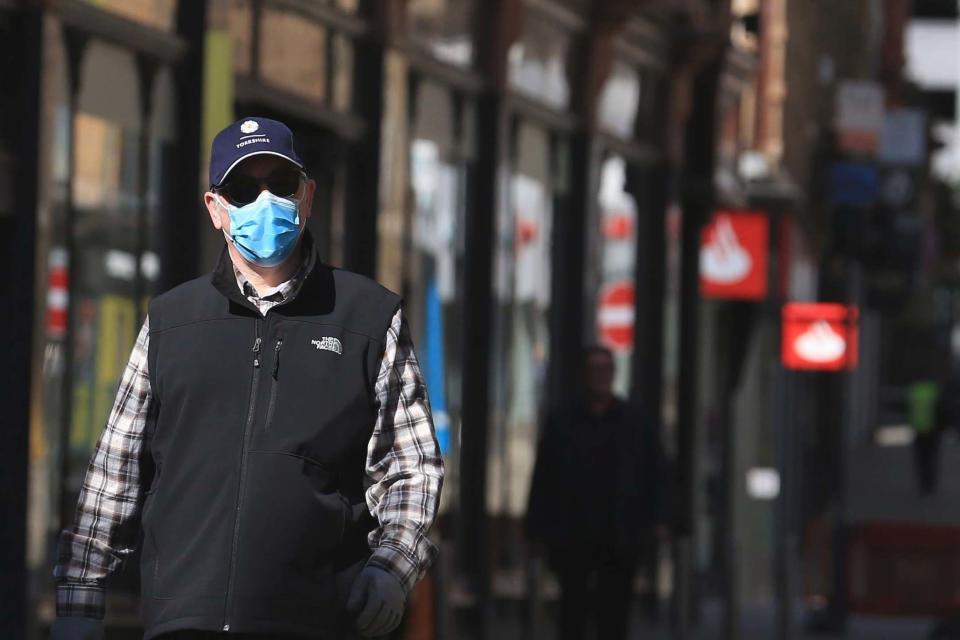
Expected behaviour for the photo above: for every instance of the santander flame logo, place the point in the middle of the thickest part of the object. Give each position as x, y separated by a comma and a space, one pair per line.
723, 260
820, 343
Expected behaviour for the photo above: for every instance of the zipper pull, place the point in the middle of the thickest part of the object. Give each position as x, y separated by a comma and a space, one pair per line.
276, 359
256, 352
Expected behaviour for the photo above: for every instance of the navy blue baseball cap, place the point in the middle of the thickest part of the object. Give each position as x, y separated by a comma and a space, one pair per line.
249, 137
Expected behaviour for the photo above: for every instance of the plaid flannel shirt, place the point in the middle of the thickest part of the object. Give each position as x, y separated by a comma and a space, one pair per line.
403, 467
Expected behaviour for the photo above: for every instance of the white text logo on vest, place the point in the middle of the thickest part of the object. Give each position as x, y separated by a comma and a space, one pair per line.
328, 344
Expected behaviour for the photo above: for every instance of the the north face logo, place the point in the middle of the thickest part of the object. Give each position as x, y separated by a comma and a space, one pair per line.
328, 344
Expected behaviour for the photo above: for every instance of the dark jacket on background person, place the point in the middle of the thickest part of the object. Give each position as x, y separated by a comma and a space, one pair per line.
597, 480
256, 522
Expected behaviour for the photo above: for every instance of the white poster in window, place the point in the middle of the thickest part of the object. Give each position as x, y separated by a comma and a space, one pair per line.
532, 230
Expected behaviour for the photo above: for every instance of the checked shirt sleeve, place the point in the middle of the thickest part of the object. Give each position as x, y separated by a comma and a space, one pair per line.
102, 535
403, 462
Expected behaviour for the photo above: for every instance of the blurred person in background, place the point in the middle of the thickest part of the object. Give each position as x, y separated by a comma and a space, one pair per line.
271, 438
923, 404
595, 501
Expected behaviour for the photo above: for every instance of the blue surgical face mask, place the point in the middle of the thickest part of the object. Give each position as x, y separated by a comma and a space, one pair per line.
265, 232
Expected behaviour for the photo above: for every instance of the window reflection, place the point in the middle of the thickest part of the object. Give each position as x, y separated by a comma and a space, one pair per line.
613, 282
538, 64
109, 257
342, 73
105, 196
153, 13
443, 27
239, 18
347, 6
620, 101
433, 285
293, 53
522, 291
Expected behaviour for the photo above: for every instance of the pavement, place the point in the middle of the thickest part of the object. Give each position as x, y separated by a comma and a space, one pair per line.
757, 623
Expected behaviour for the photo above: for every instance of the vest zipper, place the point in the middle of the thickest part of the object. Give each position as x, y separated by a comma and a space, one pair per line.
273, 385
251, 412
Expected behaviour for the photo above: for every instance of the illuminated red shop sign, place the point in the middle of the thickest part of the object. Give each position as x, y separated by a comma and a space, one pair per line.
734, 252
820, 337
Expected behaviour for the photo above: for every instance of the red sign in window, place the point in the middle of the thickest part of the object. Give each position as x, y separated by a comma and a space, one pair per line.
820, 337
734, 252
615, 316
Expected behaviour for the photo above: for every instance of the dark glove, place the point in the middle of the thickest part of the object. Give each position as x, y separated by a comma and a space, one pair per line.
77, 628
377, 600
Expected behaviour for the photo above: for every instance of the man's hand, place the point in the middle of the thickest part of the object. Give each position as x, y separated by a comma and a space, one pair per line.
377, 601
77, 628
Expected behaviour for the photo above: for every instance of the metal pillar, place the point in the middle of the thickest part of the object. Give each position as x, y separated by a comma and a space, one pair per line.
17, 248
180, 234
76, 43
493, 35
697, 199
146, 72
362, 196
482, 189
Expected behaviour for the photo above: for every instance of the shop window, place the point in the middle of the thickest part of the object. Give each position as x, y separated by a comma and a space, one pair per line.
620, 101
347, 6
116, 267
538, 64
293, 54
443, 29
239, 18
428, 252
342, 73
159, 14
611, 279
521, 338
105, 201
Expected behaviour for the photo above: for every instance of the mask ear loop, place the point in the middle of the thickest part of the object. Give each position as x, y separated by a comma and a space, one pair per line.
298, 196
223, 205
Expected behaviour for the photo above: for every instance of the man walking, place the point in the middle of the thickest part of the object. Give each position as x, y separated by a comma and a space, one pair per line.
594, 502
271, 437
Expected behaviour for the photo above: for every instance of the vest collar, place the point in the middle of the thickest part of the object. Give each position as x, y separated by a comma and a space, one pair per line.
225, 281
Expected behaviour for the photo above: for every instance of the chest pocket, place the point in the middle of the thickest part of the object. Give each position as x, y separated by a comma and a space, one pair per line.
318, 392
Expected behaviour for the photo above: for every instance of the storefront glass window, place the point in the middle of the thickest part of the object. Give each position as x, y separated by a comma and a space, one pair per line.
50, 326
538, 64
611, 276
346, 6
293, 53
158, 14
620, 101
433, 268
521, 336
105, 198
443, 28
239, 18
115, 244
342, 73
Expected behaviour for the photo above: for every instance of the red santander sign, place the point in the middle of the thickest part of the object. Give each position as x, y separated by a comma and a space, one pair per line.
820, 336
734, 252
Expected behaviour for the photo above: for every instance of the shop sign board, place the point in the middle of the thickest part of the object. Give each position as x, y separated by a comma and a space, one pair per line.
855, 184
859, 116
734, 253
904, 138
819, 336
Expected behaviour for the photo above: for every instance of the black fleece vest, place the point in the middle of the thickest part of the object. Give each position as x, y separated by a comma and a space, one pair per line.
255, 520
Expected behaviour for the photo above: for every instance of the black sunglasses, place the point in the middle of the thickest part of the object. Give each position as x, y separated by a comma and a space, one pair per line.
243, 189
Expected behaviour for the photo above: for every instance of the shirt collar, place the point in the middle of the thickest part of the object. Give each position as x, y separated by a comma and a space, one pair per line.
283, 292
